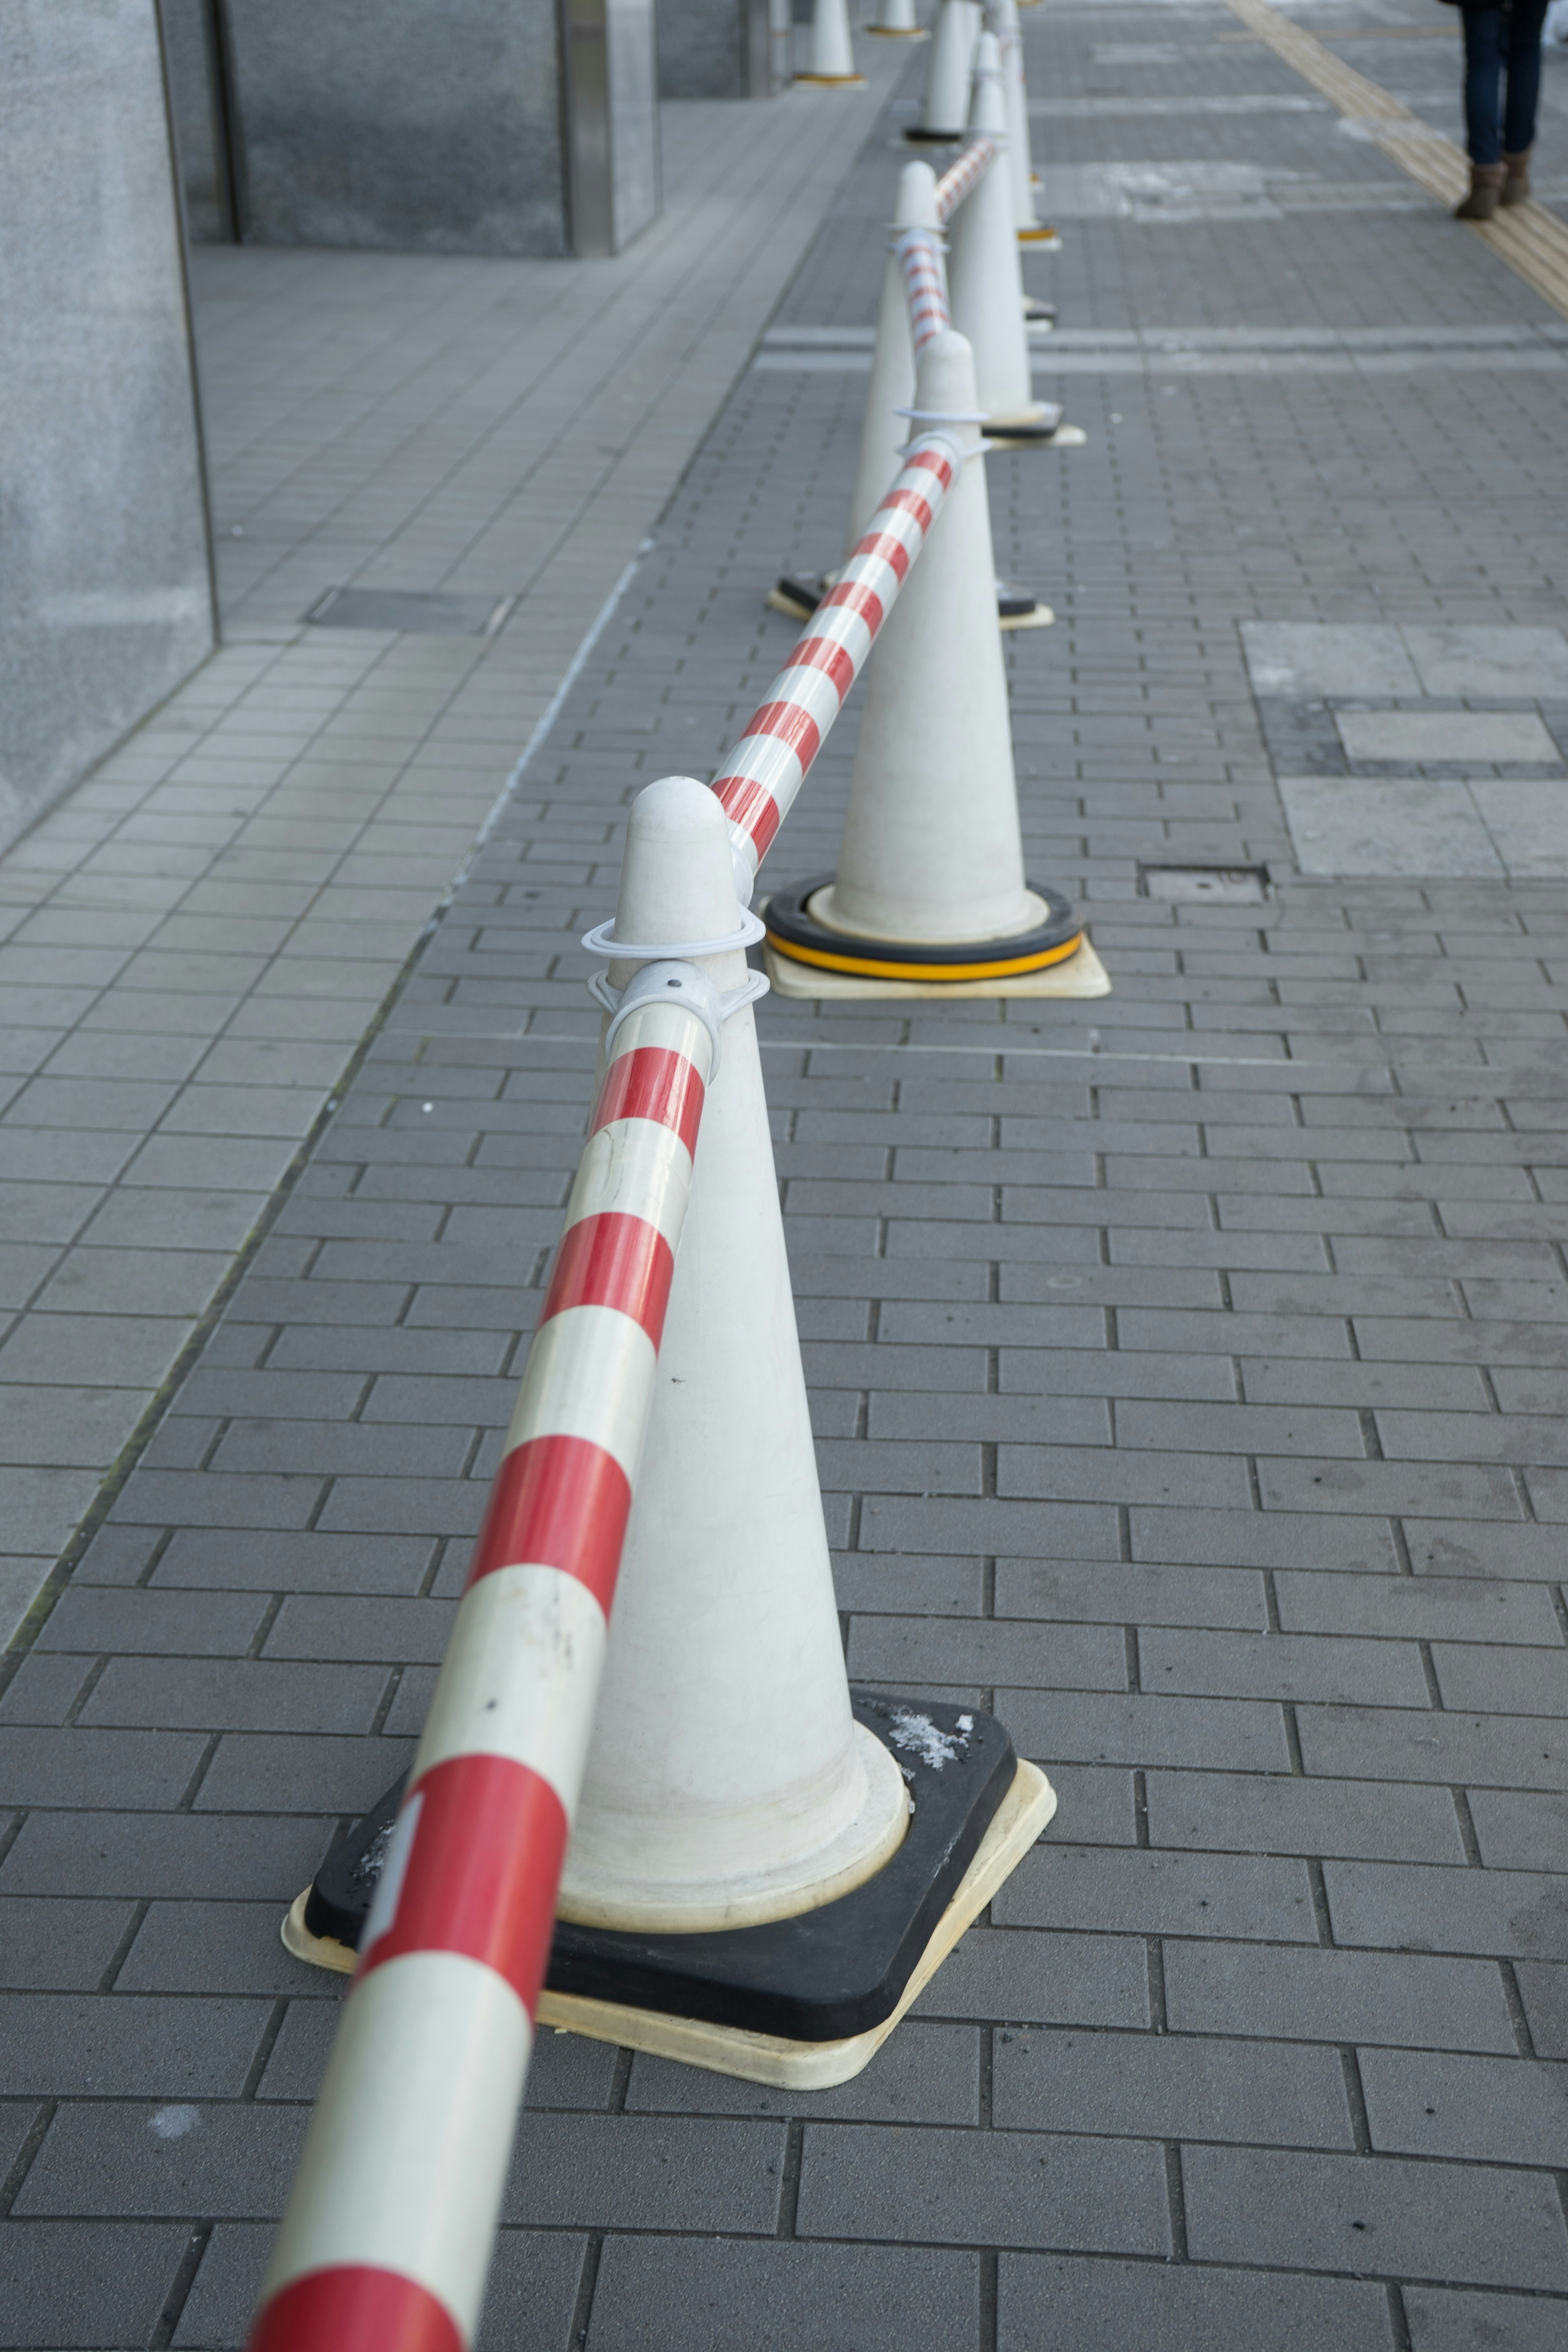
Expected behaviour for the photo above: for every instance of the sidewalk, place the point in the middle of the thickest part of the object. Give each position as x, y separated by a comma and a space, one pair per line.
1189, 1367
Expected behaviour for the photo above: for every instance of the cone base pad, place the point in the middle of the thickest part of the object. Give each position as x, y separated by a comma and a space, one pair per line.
1078, 976
828, 1976
795, 936
774, 2059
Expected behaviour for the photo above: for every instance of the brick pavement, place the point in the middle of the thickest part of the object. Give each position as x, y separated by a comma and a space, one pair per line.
1189, 1370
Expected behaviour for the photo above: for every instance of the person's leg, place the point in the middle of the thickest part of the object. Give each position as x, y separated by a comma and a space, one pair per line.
1483, 77
1483, 73
1522, 49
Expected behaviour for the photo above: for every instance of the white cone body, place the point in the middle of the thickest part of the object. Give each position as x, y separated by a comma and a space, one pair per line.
832, 52
883, 431
949, 64
1014, 91
985, 288
897, 16
931, 848
727, 1782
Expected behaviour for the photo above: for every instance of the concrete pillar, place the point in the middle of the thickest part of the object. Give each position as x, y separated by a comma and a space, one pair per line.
106, 587
716, 48
443, 126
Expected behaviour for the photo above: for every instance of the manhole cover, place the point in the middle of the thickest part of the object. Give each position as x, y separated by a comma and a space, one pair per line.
1231, 885
401, 608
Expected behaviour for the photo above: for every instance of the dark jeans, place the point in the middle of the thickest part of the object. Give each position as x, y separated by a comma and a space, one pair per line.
1494, 37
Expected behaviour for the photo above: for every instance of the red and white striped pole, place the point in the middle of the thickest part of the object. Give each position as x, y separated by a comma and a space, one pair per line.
765, 768
956, 184
387, 2241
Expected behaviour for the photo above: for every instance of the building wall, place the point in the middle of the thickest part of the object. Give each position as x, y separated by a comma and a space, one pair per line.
439, 126
105, 587
713, 48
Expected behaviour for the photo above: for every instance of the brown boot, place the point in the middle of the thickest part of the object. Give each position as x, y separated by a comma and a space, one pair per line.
1485, 187
1516, 178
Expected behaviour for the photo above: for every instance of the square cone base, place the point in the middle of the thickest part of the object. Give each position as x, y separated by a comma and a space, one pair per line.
1078, 976
800, 2003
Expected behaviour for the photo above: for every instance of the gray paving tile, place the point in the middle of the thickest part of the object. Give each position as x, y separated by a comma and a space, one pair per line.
1067, 2304
1398, 1744
1163, 1894
69, 2044
579, 2171
1500, 2110
734, 2296
1326, 1995
899, 2184
100, 1853
1174, 2086
1443, 2320
1413, 1908
87, 2283
115, 2158
1460, 2222
1251, 1813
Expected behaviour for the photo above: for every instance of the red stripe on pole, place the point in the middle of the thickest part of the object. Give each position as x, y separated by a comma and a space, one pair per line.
855, 597
611, 1259
557, 1501
788, 723
483, 1872
910, 502
887, 550
752, 807
821, 653
652, 1082
934, 463
354, 2309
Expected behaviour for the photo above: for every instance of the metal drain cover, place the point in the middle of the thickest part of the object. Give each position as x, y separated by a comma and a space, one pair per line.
1227, 886
432, 616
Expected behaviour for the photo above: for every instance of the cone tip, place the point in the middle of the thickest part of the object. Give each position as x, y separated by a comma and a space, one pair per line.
678, 881
917, 198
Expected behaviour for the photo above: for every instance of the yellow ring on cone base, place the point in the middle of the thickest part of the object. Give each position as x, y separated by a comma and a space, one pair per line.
1010, 969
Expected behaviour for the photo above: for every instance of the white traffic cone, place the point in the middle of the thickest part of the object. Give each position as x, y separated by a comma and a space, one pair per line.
944, 110
727, 1782
986, 291
896, 22
1020, 165
930, 889
832, 52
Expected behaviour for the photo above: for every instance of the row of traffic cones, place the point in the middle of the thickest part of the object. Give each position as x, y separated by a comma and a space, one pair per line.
930, 897
701, 1838
764, 1867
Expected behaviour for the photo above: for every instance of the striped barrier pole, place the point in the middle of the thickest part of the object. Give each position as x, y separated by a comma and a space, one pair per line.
766, 766
387, 2241
387, 2235
956, 184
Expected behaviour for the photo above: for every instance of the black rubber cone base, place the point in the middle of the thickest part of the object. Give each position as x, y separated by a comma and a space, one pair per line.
792, 932
796, 597
829, 1983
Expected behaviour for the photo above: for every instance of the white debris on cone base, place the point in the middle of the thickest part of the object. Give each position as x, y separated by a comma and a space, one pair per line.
917, 1735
